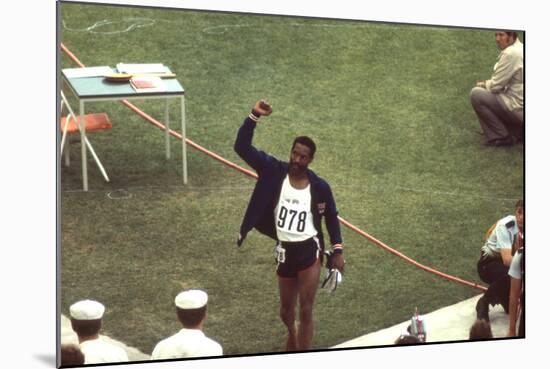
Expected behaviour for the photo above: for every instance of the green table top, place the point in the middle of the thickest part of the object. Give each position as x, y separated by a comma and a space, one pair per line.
98, 87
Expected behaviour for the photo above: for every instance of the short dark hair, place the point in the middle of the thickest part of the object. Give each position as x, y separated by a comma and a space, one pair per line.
513, 34
190, 318
407, 339
519, 204
71, 355
306, 141
86, 328
481, 329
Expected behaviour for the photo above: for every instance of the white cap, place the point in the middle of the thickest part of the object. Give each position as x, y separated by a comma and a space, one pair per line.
191, 299
87, 310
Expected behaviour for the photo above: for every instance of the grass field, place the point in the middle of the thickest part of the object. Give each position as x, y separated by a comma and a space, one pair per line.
388, 106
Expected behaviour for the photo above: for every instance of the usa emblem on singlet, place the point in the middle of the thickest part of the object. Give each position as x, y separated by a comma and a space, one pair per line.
321, 207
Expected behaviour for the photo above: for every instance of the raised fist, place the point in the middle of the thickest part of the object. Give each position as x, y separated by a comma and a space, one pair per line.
261, 107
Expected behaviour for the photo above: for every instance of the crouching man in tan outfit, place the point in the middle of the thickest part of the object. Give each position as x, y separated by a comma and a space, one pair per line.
498, 102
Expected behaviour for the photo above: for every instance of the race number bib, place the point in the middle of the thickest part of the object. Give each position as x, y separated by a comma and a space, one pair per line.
293, 217
291, 220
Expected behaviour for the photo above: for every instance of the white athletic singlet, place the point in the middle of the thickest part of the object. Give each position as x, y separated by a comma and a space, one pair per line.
293, 217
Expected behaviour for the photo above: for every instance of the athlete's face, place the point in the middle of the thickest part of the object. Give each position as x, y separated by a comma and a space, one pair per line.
519, 218
300, 157
503, 40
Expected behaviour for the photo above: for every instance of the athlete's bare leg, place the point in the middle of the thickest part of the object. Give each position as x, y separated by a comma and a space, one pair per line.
288, 293
308, 280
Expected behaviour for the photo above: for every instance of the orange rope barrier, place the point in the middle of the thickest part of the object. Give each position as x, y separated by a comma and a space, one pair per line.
159, 125
408, 259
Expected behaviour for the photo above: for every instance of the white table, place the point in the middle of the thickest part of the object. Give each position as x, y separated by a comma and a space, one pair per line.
92, 89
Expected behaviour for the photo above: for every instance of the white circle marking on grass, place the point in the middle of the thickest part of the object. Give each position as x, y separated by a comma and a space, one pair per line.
96, 27
119, 195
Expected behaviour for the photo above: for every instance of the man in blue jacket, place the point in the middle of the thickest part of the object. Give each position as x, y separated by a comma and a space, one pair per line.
287, 204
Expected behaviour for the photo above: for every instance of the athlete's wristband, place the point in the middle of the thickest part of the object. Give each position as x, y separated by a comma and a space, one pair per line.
337, 248
254, 115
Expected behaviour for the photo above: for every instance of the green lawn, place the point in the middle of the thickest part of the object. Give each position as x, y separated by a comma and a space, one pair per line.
388, 106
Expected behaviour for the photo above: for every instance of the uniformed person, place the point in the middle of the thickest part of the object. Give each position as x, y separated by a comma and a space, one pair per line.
495, 259
190, 341
86, 320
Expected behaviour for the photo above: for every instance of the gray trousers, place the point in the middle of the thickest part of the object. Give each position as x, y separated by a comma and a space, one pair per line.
497, 122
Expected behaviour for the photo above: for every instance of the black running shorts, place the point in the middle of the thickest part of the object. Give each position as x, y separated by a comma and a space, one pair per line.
298, 256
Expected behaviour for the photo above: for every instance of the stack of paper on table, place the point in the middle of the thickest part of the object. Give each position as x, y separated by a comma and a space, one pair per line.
156, 68
146, 83
87, 72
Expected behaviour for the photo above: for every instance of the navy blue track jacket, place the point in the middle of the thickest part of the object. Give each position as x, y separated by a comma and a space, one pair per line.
271, 172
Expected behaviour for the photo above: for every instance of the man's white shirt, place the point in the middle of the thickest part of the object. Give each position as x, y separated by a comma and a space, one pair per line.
502, 237
186, 343
99, 351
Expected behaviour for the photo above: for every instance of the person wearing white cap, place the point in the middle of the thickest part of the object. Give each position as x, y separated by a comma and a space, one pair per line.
189, 341
86, 319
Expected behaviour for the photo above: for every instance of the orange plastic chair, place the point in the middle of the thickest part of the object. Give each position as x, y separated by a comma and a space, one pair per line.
92, 123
